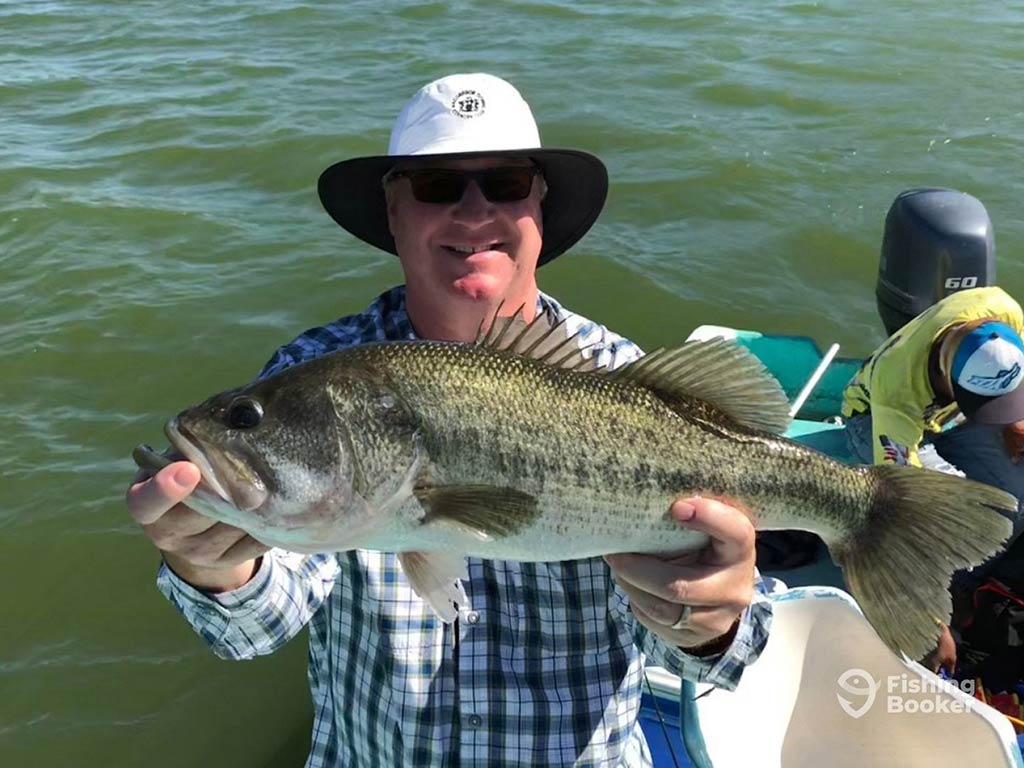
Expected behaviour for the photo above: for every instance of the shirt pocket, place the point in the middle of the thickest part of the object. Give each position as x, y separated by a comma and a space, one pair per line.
381, 597
564, 609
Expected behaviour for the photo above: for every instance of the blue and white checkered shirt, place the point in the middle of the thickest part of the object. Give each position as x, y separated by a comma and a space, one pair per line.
545, 669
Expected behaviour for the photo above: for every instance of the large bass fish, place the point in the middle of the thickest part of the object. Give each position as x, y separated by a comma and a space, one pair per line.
518, 447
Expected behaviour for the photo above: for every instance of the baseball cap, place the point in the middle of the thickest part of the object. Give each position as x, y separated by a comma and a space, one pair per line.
986, 374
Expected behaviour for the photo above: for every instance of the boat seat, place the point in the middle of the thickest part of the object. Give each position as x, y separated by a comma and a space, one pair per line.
788, 710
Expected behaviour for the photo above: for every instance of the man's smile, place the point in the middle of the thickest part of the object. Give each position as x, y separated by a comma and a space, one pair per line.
469, 250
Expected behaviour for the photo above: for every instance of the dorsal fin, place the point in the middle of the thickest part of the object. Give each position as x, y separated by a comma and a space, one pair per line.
539, 339
719, 372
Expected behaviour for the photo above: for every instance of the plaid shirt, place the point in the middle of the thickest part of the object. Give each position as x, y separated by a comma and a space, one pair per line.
544, 669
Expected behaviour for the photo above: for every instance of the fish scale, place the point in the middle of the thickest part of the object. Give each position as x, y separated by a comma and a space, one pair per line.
503, 437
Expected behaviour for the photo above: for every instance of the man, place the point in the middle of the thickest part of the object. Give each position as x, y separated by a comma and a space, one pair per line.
962, 356
545, 668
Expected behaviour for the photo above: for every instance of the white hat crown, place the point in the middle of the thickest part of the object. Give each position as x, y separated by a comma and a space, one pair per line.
464, 113
989, 360
993, 369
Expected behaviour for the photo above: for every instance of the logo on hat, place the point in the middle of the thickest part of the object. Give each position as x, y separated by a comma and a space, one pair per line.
468, 104
1000, 381
989, 360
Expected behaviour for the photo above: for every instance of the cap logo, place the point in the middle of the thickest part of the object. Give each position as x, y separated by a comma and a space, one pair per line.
468, 104
989, 361
996, 384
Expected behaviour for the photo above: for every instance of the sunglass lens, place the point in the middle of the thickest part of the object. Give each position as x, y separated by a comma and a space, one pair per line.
438, 186
504, 185
499, 185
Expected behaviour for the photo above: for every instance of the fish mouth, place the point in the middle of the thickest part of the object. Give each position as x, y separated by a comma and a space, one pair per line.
247, 496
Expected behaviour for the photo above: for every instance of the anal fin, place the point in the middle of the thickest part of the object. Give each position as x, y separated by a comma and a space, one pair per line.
437, 578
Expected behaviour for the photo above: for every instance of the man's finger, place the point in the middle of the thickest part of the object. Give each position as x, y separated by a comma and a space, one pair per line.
219, 546
177, 525
661, 611
704, 624
149, 500
690, 584
246, 548
208, 546
677, 637
731, 532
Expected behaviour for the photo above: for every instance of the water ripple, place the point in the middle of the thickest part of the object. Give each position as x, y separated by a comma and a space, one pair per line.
160, 234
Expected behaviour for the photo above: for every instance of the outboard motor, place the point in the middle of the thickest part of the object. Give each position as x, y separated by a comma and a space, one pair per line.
937, 242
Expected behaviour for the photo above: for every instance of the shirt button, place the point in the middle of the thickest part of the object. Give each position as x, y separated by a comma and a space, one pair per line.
472, 617
475, 721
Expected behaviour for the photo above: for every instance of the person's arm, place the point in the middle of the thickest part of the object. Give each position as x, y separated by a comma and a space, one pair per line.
724, 668
730, 616
895, 437
242, 598
258, 618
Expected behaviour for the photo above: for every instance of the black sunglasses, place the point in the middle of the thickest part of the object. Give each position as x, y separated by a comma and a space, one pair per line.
505, 184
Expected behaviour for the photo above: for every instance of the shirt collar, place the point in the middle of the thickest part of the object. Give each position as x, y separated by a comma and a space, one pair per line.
394, 315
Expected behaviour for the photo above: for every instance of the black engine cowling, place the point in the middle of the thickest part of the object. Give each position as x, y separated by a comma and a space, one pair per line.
937, 241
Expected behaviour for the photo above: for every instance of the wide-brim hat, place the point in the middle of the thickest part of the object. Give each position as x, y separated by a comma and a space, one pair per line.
466, 116
987, 371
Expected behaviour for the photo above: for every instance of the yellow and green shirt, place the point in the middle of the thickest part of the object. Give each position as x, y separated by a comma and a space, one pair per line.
893, 384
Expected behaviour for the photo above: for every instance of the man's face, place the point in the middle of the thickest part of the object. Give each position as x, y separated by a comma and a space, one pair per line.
473, 248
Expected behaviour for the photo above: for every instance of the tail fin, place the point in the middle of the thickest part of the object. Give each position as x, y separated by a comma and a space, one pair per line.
923, 525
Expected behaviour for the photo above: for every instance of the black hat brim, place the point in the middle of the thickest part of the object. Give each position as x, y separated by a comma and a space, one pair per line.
1007, 409
353, 194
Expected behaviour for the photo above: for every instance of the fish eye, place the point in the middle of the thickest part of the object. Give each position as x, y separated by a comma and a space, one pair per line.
244, 413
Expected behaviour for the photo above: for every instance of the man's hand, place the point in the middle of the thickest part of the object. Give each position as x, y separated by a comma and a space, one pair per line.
716, 583
211, 556
1013, 440
944, 655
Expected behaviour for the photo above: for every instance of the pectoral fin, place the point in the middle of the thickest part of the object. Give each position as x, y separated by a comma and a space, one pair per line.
437, 579
485, 512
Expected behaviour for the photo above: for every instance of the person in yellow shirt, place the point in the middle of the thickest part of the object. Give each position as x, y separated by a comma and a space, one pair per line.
962, 356
945, 392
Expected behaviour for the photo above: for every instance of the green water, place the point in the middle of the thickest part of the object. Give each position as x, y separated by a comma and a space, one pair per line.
160, 235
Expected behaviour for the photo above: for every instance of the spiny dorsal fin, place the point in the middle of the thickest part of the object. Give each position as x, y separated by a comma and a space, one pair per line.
719, 372
539, 339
